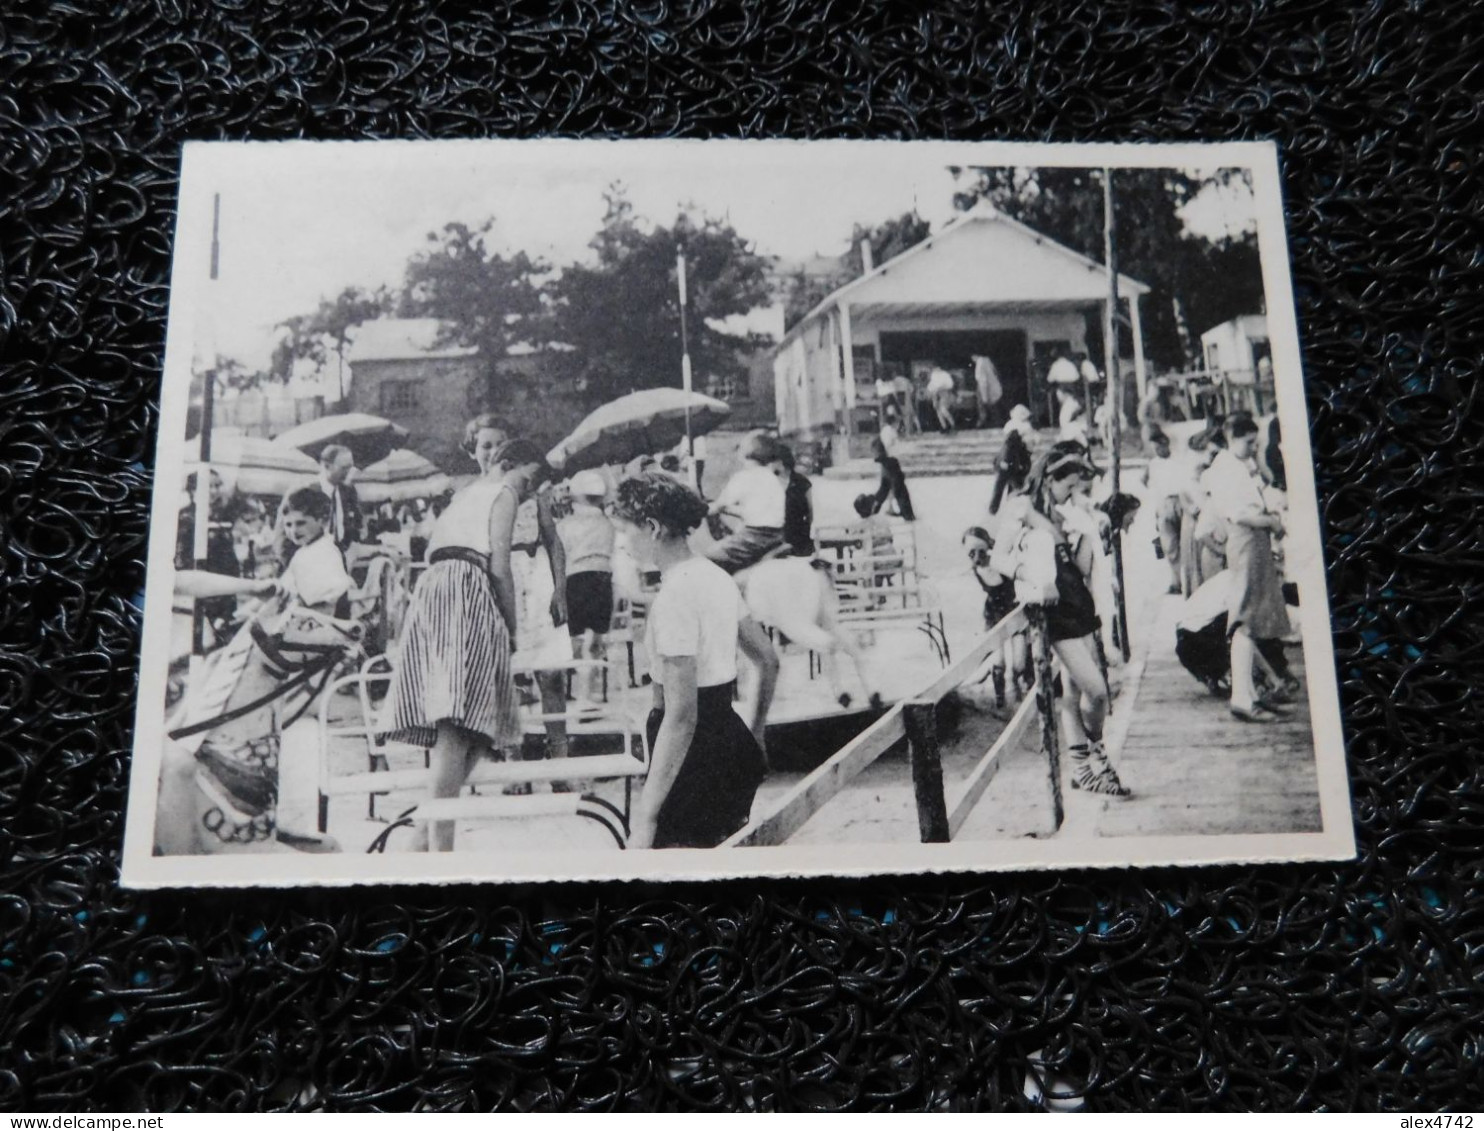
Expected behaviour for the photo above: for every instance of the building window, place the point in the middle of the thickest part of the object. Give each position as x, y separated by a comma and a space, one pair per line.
400, 396
727, 389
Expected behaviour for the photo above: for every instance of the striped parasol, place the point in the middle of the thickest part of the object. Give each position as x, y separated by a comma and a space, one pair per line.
401, 476
642, 423
258, 466
370, 438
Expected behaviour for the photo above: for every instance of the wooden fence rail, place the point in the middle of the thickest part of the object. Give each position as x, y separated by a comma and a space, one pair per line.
915, 719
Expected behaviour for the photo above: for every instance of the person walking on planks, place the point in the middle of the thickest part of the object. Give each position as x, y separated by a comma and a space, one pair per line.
1255, 608
1070, 611
706, 763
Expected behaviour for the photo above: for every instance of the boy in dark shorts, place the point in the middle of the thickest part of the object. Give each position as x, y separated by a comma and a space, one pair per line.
587, 537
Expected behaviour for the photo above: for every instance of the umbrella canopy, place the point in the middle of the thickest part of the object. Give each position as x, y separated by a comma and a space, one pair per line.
258, 466
401, 476
642, 423
370, 438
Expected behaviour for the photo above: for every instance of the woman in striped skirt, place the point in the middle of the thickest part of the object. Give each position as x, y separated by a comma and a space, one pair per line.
452, 689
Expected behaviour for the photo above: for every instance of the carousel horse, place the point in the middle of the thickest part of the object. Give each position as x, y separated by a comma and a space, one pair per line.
219, 778
796, 597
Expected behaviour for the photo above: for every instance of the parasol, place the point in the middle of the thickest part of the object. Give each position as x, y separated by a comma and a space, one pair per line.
642, 423
370, 438
258, 466
401, 476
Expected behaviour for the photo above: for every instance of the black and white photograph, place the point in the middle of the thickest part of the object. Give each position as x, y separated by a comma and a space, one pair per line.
566, 510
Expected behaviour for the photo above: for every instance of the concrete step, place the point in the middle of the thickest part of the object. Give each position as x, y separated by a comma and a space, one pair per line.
951, 464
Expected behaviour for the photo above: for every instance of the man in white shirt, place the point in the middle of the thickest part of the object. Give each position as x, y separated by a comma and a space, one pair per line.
1164, 479
1088, 371
1063, 371
906, 393
940, 389
987, 388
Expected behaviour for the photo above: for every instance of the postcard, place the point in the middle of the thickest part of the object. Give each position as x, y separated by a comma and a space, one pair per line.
571, 510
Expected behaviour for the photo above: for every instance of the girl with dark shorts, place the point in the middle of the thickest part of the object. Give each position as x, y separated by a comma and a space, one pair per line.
1072, 620
705, 763
999, 603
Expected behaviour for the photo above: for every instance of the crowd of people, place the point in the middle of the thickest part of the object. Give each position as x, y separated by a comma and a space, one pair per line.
520, 563
250, 546
910, 405
1219, 521
516, 561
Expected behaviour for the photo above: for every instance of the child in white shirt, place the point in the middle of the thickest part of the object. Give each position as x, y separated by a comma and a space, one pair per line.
587, 537
315, 575
1164, 478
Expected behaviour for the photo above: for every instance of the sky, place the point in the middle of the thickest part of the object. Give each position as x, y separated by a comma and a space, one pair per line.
303, 221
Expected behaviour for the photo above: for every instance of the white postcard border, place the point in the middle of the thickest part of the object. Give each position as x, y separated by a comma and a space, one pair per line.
204, 163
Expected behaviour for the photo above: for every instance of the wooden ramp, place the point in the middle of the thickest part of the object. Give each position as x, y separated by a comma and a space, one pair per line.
1194, 769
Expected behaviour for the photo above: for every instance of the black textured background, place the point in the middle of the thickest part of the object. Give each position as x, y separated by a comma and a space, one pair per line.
1353, 986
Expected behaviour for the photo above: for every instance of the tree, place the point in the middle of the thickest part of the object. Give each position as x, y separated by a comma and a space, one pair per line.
1212, 281
888, 240
312, 337
482, 299
622, 314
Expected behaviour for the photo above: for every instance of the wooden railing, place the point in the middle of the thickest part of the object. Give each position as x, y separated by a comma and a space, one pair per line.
916, 720
1223, 390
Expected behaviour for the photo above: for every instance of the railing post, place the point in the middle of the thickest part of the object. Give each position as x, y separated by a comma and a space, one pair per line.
1046, 701
921, 722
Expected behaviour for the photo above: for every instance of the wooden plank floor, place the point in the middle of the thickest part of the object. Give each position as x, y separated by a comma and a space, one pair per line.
1194, 769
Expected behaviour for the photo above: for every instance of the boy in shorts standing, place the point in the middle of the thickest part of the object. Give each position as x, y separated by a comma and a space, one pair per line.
587, 537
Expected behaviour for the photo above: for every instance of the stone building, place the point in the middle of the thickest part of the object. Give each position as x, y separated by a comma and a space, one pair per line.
400, 370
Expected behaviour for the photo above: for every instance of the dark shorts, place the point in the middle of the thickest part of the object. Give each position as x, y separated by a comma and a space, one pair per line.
589, 602
999, 602
1075, 613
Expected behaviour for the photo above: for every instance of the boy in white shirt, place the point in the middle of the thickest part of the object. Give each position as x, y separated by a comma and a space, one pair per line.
315, 575
588, 539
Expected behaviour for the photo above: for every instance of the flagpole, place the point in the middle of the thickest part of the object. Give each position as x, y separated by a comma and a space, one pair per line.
1114, 402
202, 532
685, 374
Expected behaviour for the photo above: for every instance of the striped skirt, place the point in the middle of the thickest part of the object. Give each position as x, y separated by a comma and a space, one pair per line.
453, 663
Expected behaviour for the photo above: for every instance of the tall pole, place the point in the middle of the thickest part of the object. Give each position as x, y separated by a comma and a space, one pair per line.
202, 532
1114, 401
685, 375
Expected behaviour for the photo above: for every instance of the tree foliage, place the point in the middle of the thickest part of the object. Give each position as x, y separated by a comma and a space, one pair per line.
484, 299
316, 335
808, 288
621, 314
1212, 281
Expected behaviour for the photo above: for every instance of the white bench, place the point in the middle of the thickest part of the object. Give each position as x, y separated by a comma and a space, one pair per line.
379, 778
